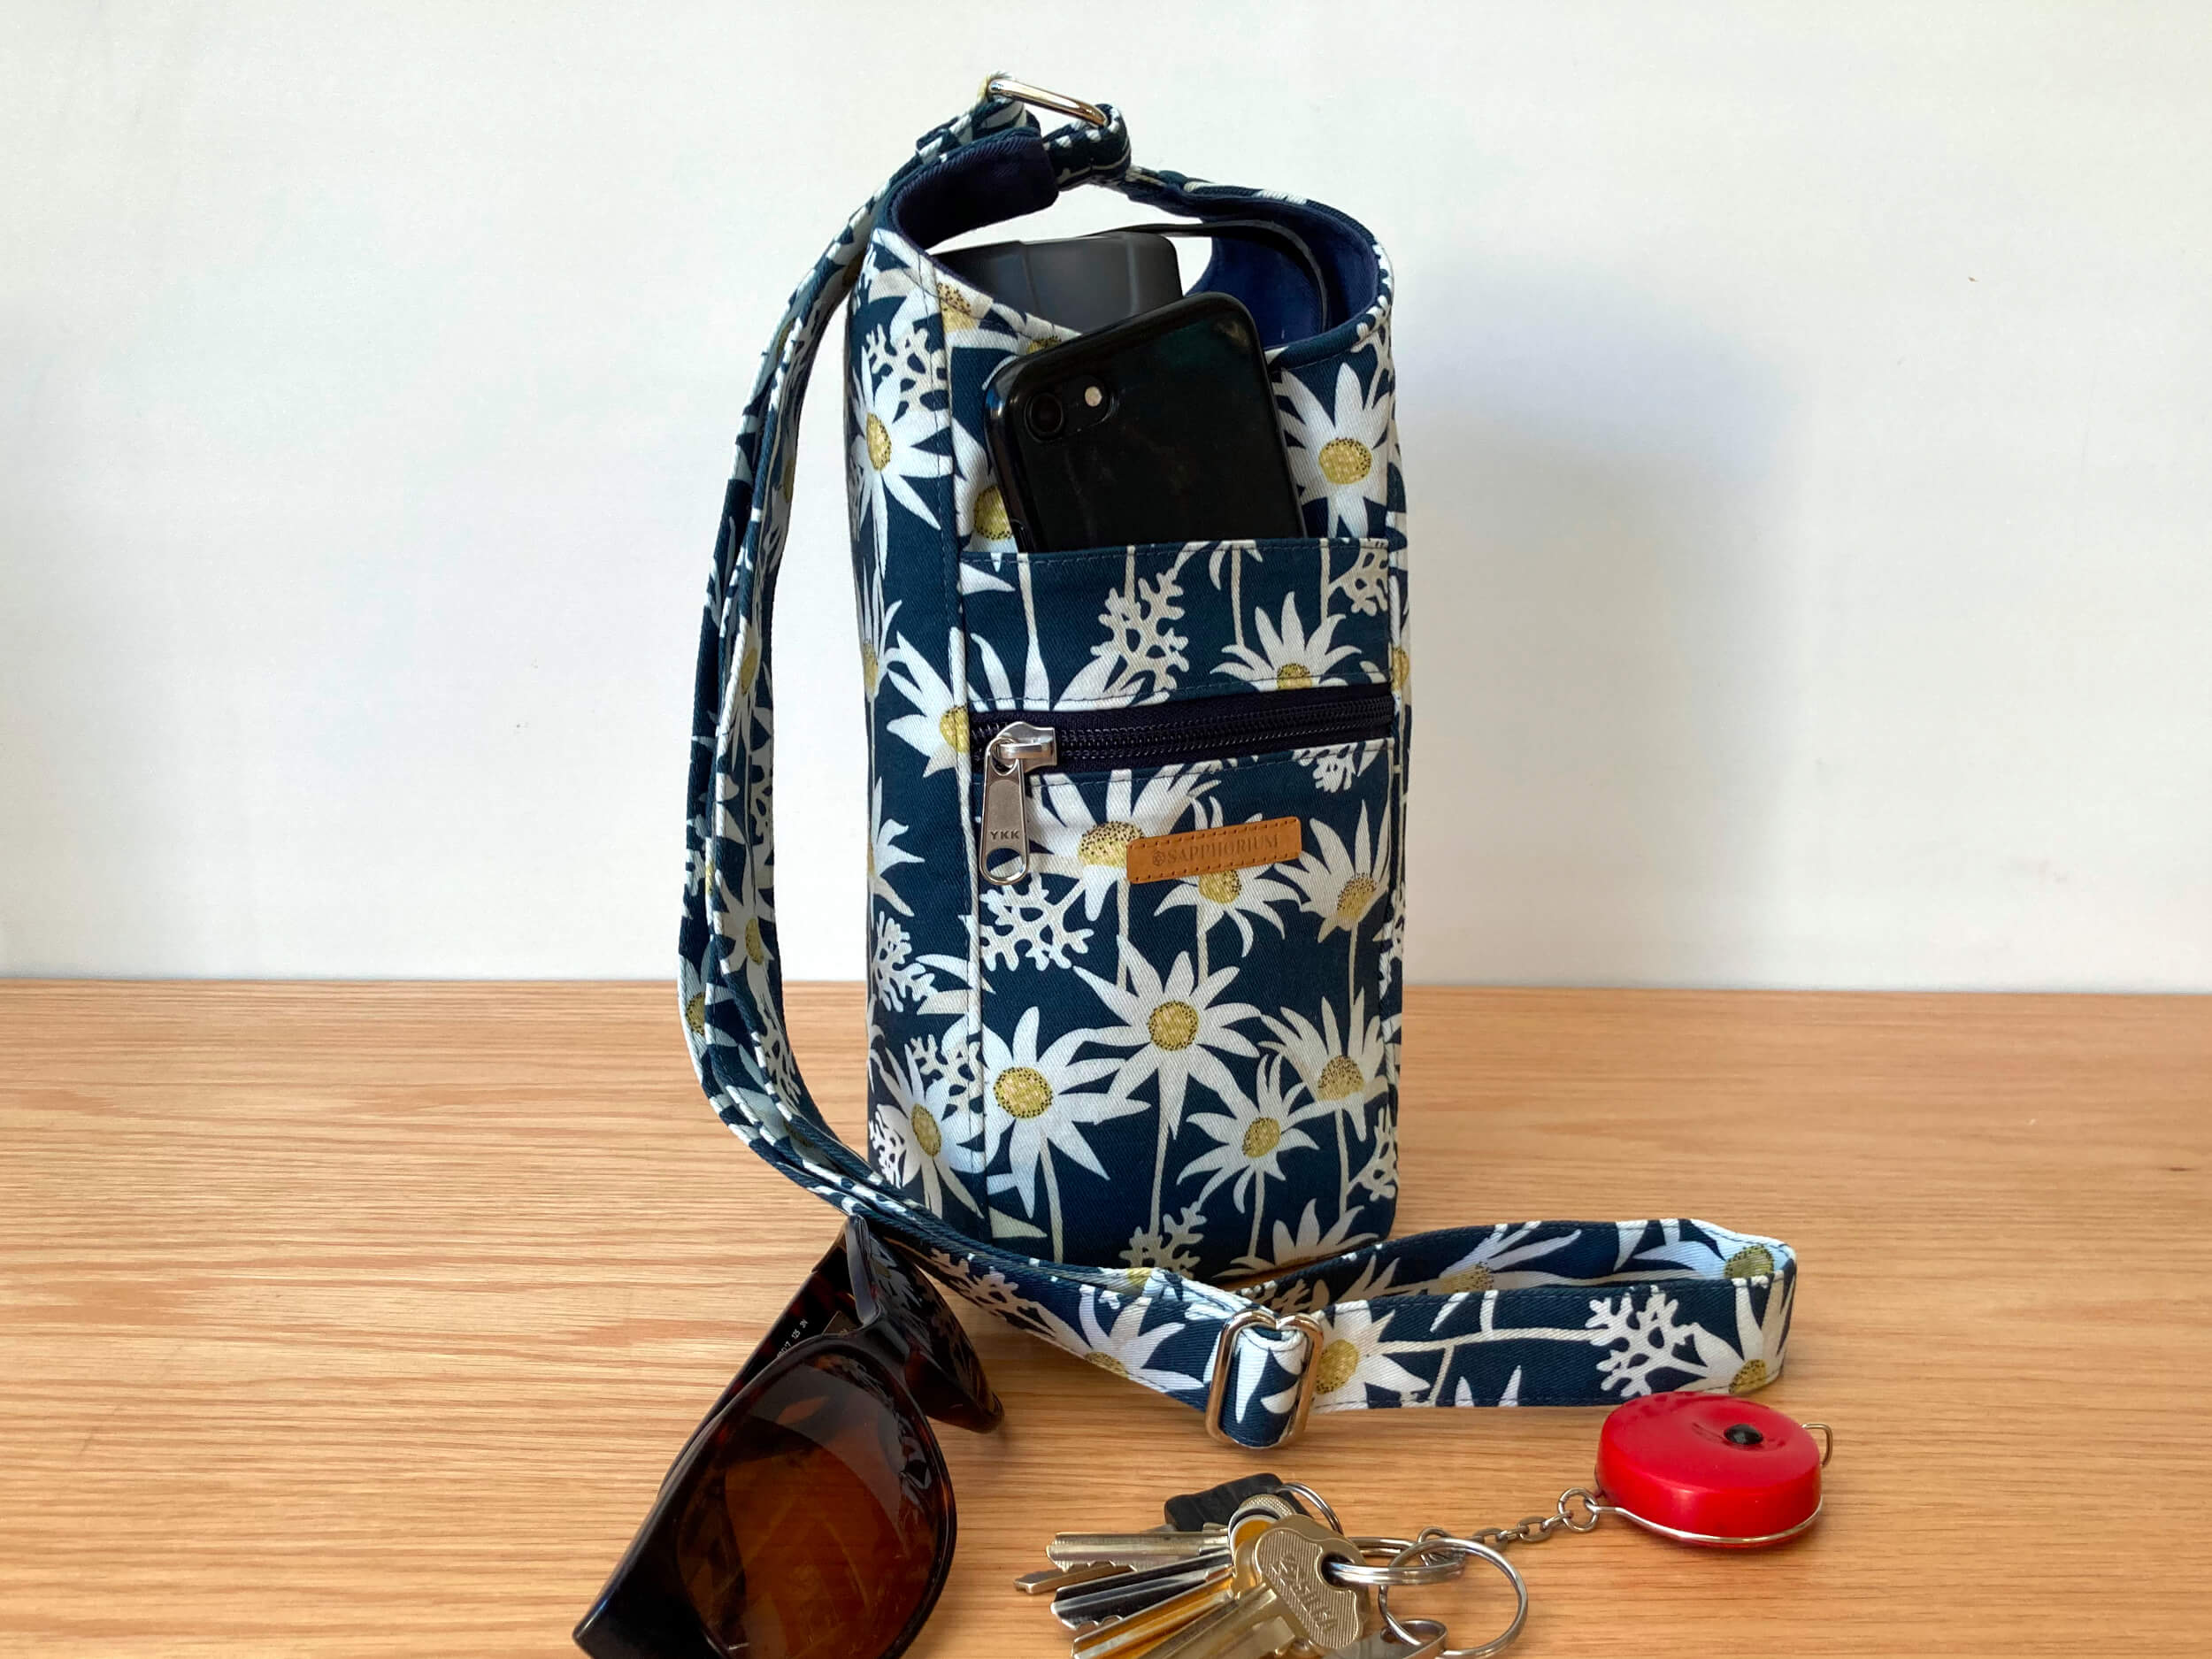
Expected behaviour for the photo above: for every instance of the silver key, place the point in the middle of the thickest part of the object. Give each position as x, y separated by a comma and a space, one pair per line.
1165, 1621
1137, 1549
1125, 1592
1291, 1604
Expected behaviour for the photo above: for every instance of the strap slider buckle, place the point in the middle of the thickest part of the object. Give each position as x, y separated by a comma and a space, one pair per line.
1004, 86
1308, 1372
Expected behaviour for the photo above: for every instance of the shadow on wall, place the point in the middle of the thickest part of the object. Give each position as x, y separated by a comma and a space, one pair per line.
1599, 635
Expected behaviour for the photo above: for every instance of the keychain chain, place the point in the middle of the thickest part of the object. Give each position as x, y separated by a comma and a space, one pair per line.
1578, 1511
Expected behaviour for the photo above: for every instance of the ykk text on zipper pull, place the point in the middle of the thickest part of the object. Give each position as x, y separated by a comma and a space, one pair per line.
1016, 751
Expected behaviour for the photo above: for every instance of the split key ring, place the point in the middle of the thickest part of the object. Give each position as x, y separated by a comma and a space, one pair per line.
1458, 1550
1403, 1565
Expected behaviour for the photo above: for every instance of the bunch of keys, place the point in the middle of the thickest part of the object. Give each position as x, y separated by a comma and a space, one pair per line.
1270, 1577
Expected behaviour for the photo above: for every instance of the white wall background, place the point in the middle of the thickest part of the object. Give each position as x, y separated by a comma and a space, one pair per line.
1807, 408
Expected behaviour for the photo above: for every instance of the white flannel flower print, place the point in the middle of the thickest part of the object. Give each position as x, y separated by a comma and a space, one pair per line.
885, 854
1729, 1255
1310, 1243
1343, 1069
1402, 646
913, 1133
1177, 1029
893, 431
1354, 1358
979, 512
1036, 1103
1340, 455
1237, 894
1286, 658
1250, 1138
876, 618
1124, 1349
1096, 850
1491, 1264
1642, 1340
737, 921
916, 294
1341, 884
972, 321
938, 728
1463, 1394
1756, 1360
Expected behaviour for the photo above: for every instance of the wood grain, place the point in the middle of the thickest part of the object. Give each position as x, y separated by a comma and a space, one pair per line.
362, 1320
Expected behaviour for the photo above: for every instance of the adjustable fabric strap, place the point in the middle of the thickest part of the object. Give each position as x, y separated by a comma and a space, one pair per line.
1535, 1313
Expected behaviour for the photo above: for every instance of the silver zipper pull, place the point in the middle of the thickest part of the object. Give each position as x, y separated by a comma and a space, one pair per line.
1008, 758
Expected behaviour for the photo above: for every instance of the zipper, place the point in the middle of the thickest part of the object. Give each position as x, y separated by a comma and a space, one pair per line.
1010, 746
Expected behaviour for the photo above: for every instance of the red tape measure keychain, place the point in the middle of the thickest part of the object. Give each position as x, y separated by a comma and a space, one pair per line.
1711, 1471
1705, 1469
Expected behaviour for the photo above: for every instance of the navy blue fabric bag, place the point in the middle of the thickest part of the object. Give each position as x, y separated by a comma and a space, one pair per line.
1092, 1095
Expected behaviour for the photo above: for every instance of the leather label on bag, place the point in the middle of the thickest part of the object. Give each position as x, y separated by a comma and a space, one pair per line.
1212, 852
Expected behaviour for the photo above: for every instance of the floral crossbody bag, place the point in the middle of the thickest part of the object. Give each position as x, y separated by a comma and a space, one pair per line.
1092, 1095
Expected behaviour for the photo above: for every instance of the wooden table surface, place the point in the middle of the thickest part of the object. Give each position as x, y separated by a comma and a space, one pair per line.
353, 1319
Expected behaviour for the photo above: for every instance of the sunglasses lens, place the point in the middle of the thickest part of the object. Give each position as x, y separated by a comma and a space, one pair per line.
822, 1523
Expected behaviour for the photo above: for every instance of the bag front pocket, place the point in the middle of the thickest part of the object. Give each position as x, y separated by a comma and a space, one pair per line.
1188, 1020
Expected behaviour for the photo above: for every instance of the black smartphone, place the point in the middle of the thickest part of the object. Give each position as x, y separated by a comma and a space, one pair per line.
1161, 428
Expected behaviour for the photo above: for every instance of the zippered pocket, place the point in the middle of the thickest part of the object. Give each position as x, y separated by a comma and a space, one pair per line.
1188, 1004
1008, 747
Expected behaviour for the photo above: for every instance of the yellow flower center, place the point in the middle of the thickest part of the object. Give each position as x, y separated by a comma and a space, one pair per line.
991, 521
926, 1135
1340, 1079
952, 726
1173, 1024
755, 946
1477, 1277
1339, 1361
1293, 677
1754, 1261
879, 445
748, 665
696, 1015
1221, 887
1401, 669
1353, 900
1138, 1278
1346, 460
958, 312
871, 670
1022, 1091
1262, 1135
1107, 845
1108, 1364
1751, 1374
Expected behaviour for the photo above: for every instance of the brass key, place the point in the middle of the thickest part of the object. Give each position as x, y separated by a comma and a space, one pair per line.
1165, 1620
1136, 1549
1053, 1579
1291, 1604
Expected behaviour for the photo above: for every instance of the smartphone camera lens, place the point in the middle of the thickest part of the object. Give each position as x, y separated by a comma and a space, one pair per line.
1048, 417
